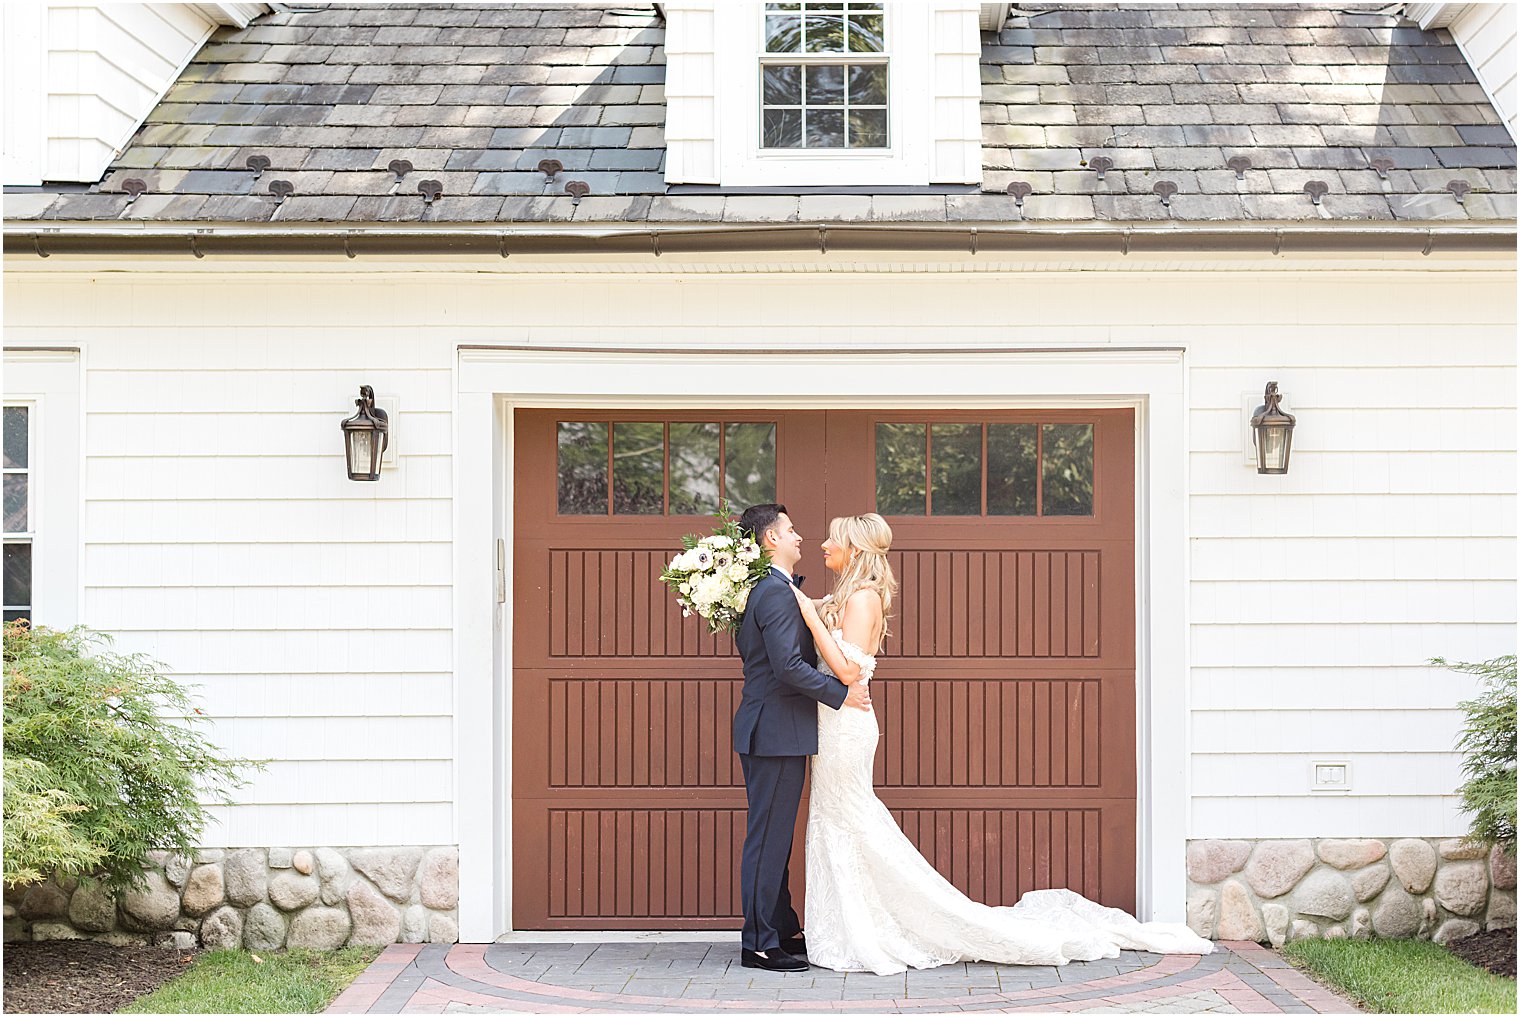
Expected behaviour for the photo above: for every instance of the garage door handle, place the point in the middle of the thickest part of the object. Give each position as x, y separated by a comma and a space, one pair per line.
501, 571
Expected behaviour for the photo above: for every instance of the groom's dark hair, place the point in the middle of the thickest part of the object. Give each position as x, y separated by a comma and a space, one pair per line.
759, 518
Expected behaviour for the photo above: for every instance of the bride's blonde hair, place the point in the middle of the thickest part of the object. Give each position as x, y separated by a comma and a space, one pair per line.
869, 538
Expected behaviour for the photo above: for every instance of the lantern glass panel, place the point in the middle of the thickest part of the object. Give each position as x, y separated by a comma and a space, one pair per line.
359, 443
1273, 446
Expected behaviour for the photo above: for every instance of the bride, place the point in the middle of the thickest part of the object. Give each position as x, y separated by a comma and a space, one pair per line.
873, 902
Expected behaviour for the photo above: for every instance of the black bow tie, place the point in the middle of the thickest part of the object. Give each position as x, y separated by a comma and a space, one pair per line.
797, 581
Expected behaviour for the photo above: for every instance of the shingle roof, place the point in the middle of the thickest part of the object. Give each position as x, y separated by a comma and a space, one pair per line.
476, 95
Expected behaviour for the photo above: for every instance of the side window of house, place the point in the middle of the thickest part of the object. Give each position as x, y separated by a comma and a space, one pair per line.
655, 467
823, 76
18, 512
984, 469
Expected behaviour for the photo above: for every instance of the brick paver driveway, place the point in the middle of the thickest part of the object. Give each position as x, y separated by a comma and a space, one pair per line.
667, 977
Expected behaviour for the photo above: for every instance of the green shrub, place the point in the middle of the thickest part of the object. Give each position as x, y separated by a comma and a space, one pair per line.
1487, 743
102, 759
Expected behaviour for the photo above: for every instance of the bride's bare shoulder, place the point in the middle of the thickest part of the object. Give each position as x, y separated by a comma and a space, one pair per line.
865, 601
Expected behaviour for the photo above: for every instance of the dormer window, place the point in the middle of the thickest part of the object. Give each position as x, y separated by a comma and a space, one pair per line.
833, 93
823, 76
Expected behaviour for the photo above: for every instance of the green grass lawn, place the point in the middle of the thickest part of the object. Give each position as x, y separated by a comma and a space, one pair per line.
1403, 976
230, 981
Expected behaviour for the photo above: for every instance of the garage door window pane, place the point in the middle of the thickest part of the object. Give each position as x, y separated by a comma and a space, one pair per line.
901, 469
956, 451
16, 437
693, 469
582, 468
638, 468
749, 471
1067, 463
1012, 458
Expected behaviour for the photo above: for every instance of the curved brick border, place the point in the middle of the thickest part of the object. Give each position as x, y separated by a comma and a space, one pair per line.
1241, 976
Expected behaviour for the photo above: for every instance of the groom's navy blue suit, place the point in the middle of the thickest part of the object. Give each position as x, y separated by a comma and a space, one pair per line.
775, 730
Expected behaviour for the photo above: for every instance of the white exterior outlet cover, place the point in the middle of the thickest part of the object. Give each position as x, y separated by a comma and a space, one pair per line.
391, 405
1330, 775
1248, 402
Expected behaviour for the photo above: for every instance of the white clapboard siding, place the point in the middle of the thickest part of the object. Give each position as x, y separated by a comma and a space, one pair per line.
107, 65
1486, 35
221, 534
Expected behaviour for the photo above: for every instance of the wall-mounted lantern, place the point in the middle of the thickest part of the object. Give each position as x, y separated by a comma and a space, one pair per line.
365, 436
1273, 431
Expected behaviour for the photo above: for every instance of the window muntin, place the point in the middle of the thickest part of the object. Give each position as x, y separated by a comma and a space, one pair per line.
984, 469
17, 439
653, 468
823, 77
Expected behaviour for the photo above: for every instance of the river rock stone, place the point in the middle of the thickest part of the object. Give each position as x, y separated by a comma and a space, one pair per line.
280, 858
120, 938
375, 921
1397, 915
439, 879
222, 930
93, 909
291, 891
1302, 928
44, 900
1336, 932
204, 890
1324, 893
206, 856
442, 929
1209, 861
1276, 866
154, 907
263, 928
1460, 849
1455, 928
302, 862
414, 924
390, 869
1501, 869
1351, 854
1202, 909
1275, 918
1414, 862
333, 870
245, 876
1361, 923
1237, 915
1369, 882
1501, 910
176, 870
46, 932
1427, 918
318, 928
15, 929
1462, 887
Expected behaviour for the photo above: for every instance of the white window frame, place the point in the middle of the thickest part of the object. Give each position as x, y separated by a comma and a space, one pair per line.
49, 382
739, 44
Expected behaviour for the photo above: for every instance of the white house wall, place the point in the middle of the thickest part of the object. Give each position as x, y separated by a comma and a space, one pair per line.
221, 535
1486, 35
106, 66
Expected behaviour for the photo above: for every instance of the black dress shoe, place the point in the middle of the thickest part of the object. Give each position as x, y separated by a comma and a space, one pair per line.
796, 946
777, 960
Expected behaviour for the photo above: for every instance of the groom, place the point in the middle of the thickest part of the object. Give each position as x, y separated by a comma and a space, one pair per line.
775, 730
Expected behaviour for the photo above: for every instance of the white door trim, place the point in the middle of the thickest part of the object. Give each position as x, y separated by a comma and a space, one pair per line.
494, 381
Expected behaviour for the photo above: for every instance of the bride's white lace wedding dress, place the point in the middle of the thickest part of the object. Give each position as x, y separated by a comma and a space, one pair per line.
875, 904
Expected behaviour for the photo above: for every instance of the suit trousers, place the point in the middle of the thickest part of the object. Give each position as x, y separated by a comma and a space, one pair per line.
773, 787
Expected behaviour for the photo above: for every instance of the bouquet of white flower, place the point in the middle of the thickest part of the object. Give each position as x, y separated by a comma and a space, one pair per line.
713, 575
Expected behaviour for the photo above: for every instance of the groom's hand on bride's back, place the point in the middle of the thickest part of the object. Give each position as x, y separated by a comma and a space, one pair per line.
859, 697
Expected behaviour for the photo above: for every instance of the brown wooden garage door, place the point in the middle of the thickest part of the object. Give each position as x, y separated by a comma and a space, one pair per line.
1006, 698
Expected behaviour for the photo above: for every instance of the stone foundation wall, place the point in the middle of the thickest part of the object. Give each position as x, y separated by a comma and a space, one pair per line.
258, 898
1276, 891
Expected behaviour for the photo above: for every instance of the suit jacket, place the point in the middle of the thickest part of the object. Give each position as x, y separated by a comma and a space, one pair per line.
776, 715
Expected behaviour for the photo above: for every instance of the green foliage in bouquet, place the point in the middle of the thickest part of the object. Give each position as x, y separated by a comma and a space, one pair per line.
1487, 744
102, 761
713, 574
